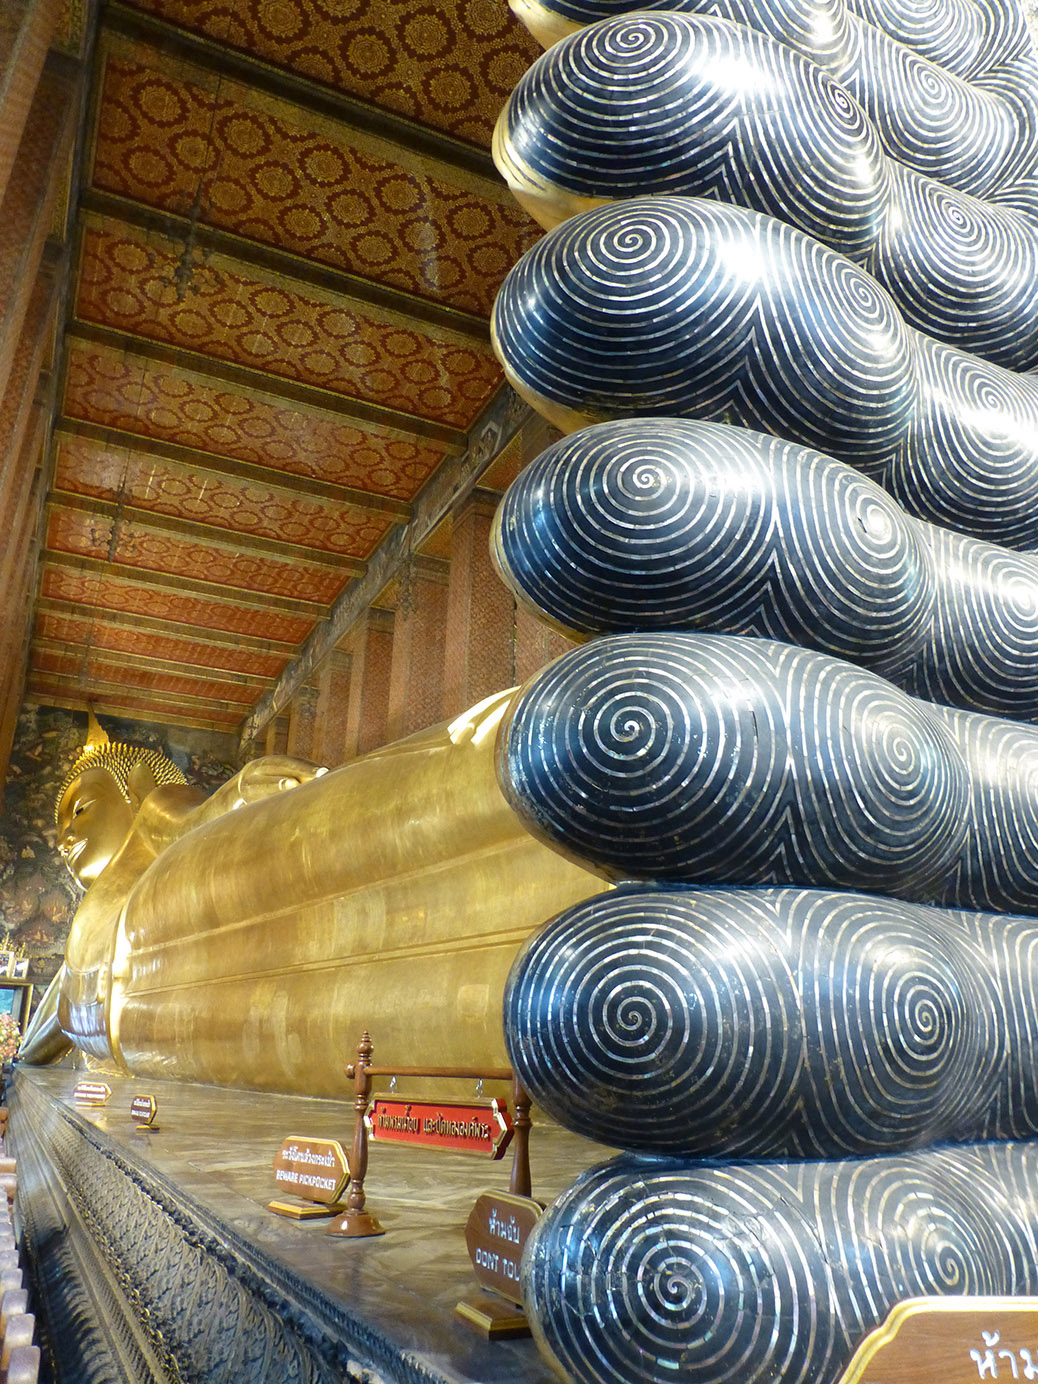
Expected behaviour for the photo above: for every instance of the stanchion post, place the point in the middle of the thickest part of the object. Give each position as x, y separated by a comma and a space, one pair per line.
520, 1184
357, 1222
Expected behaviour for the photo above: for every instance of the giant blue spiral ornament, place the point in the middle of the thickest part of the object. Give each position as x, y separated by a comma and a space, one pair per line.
679, 306
709, 758
777, 1023
671, 524
956, 101
714, 759
705, 108
749, 1274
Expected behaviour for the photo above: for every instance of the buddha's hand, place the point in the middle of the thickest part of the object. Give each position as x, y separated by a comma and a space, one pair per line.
273, 773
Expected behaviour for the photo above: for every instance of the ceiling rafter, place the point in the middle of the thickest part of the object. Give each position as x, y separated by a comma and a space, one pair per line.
253, 254
496, 426
222, 537
290, 484
150, 663
154, 624
219, 593
116, 700
286, 85
284, 390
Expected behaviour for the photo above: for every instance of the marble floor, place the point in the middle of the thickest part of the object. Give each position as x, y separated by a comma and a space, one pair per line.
216, 1148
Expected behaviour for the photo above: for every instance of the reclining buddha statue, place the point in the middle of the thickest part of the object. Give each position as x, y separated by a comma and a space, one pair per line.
248, 938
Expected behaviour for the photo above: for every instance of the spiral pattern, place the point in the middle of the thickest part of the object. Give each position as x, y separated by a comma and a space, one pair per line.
953, 95
777, 1023
675, 306
659, 523
646, 1270
683, 104
708, 758
998, 866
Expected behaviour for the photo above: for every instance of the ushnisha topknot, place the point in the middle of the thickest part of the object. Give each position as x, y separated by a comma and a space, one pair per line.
119, 760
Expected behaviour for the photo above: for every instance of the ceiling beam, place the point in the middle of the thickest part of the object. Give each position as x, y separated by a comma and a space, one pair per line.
102, 686
253, 254
279, 387
496, 426
216, 536
170, 629
285, 85
218, 592
149, 662
289, 483
56, 692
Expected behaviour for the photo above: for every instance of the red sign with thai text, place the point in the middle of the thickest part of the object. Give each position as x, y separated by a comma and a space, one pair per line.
474, 1126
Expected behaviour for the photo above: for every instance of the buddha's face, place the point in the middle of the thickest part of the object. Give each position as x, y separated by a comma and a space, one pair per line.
94, 820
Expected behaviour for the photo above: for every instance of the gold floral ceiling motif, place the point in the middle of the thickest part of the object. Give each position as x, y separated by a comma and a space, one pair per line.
449, 65
284, 258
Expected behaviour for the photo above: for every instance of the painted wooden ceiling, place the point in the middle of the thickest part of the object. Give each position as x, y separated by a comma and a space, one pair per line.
288, 240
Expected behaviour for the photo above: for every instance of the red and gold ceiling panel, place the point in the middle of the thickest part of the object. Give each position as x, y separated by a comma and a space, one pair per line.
94, 667
269, 171
182, 491
81, 631
449, 65
53, 691
90, 590
116, 390
130, 544
129, 280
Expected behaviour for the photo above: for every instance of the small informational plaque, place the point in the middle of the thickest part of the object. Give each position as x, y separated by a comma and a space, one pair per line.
496, 1233
143, 1110
92, 1093
956, 1340
472, 1126
316, 1171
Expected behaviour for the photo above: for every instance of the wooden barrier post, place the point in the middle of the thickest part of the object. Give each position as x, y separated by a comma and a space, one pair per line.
357, 1222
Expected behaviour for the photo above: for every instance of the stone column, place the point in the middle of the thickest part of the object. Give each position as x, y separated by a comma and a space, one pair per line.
277, 735
536, 644
28, 205
302, 722
419, 638
333, 707
29, 27
370, 647
480, 652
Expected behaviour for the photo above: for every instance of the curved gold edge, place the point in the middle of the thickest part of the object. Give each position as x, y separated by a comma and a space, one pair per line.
904, 1311
508, 579
543, 23
547, 202
567, 420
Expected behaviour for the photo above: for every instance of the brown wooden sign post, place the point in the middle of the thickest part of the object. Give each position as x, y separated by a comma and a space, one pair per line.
957, 1340
358, 1221
315, 1170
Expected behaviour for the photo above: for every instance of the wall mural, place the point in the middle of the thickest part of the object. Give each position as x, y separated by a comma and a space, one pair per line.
37, 895
785, 307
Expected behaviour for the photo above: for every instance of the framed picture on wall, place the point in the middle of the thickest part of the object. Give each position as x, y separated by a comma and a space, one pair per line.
16, 999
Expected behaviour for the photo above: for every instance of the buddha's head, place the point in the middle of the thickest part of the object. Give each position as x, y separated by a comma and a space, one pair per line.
99, 800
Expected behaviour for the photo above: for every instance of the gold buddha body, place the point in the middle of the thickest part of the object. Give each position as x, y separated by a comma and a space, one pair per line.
247, 938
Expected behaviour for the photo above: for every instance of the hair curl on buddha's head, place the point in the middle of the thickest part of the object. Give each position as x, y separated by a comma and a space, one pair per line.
119, 761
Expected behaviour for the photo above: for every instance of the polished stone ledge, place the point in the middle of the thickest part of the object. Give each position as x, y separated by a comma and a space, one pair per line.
155, 1258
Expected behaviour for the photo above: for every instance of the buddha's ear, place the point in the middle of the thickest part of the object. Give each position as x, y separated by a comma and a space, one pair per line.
140, 783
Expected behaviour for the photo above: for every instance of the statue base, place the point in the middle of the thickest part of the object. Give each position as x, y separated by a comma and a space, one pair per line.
154, 1261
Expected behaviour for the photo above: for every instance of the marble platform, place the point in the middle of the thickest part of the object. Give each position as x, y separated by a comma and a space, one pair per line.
155, 1257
